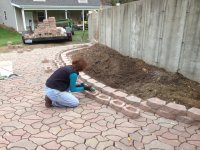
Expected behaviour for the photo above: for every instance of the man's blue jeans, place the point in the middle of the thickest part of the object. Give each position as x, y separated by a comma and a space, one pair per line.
61, 99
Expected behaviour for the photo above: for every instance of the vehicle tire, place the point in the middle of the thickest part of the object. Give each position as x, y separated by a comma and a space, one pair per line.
70, 38
23, 40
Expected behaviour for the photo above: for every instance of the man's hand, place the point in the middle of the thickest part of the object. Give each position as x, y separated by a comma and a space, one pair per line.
81, 85
89, 88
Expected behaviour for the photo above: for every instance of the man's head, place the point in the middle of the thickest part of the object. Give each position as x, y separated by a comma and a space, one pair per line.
79, 64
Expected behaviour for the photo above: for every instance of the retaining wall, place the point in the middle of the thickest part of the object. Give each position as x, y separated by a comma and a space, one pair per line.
164, 33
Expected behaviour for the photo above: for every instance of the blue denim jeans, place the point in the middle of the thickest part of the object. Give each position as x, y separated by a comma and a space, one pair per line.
61, 99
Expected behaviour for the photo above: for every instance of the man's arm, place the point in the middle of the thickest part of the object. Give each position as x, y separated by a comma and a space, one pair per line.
72, 86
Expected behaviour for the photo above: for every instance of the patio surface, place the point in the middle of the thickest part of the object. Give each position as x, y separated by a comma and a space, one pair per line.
26, 124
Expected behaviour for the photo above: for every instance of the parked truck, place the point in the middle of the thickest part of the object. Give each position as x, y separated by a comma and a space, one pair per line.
66, 23
47, 31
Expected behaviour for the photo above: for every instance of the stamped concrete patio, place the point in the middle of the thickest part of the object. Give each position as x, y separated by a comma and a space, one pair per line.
26, 124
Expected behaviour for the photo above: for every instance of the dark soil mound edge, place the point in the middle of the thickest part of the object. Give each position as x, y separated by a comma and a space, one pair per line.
136, 77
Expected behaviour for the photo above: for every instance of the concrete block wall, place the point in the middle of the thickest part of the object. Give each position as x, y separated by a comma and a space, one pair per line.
190, 55
164, 33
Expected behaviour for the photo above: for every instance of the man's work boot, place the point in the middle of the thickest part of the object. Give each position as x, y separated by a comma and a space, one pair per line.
48, 102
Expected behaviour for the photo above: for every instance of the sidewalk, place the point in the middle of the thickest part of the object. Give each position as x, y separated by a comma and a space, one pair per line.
25, 123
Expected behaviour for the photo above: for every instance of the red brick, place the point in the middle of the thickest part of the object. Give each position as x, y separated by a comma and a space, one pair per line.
117, 104
155, 103
133, 100
194, 113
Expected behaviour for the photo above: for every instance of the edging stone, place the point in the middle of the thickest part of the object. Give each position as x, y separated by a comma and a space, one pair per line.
99, 85
165, 114
145, 107
131, 111
175, 109
119, 95
194, 113
103, 99
155, 105
91, 95
117, 104
133, 100
91, 81
108, 90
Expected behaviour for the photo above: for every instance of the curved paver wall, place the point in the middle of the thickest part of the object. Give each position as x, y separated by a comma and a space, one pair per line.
164, 33
130, 105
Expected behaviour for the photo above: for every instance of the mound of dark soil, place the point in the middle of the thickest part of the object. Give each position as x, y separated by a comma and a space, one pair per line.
136, 77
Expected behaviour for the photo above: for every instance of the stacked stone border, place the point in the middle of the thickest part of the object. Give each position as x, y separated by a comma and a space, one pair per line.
129, 105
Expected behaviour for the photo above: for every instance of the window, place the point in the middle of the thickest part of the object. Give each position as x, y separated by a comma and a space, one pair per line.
5, 16
82, 1
41, 16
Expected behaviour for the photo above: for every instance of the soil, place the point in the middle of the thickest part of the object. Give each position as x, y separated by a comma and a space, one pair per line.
136, 77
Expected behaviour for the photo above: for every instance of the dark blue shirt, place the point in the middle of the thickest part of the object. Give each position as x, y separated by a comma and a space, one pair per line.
64, 79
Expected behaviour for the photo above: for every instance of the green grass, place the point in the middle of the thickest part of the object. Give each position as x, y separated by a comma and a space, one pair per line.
9, 35
80, 37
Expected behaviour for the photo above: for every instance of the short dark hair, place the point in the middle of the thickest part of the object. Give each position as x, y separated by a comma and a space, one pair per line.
79, 64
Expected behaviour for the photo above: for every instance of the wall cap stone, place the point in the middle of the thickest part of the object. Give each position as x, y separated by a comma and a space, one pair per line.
194, 113
155, 103
175, 108
134, 100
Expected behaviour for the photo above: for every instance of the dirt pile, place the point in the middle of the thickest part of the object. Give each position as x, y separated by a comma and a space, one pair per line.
136, 77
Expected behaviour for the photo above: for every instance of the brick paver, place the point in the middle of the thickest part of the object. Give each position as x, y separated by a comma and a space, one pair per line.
25, 123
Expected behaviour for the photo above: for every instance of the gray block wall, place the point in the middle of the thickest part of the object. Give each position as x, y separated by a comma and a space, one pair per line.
164, 33
190, 52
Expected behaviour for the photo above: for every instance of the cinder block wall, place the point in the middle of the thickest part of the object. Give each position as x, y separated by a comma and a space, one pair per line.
164, 33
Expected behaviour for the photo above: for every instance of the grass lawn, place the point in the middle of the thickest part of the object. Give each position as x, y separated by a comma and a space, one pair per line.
80, 37
9, 35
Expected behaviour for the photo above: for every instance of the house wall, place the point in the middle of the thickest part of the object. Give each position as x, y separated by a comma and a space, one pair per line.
75, 15
1, 16
164, 33
58, 14
9, 20
19, 19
